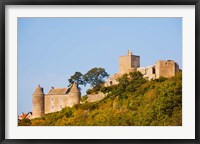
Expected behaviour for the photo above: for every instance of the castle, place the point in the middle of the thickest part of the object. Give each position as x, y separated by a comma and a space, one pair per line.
58, 98
55, 100
131, 63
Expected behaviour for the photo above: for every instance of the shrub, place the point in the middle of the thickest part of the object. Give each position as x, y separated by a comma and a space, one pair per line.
24, 122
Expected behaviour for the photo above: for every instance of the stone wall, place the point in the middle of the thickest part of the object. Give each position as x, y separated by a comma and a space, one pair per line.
113, 80
38, 106
135, 61
142, 70
128, 63
124, 64
72, 99
166, 68
95, 97
55, 103
148, 72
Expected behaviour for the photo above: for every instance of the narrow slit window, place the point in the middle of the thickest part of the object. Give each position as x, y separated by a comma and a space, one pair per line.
153, 71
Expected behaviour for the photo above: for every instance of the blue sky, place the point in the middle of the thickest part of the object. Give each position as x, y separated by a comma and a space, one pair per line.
50, 50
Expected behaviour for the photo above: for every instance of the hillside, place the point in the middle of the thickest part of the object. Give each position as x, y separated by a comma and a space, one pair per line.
133, 102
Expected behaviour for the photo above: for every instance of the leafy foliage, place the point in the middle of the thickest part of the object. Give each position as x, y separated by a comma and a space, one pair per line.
133, 102
84, 99
95, 89
95, 76
77, 78
24, 122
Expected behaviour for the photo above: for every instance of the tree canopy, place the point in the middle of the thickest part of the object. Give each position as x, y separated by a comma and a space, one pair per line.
133, 102
95, 76
77, 78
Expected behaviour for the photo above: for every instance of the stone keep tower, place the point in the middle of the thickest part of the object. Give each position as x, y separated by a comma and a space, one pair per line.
38, 102
128, 63
166, 68
74, 95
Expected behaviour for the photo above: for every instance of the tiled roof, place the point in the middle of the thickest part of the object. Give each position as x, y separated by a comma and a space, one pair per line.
22, 116
59, 91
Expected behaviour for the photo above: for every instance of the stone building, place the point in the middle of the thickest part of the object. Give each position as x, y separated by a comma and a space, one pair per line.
58, 98
54, 100
25, 116
128, 63
131, 63
162, 68
166, 68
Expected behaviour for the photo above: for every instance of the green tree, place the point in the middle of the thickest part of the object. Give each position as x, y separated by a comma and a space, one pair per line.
95, 76
77, 78
123, 80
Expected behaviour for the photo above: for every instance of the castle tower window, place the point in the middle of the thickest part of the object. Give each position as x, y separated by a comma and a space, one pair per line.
60, 106
153, 71
52, 107
60, 98
52, 99
111, 83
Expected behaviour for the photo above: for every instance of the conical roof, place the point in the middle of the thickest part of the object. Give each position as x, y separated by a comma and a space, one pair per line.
38, 90
74, 88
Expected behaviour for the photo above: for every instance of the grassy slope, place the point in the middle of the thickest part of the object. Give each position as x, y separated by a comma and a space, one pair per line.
134, 102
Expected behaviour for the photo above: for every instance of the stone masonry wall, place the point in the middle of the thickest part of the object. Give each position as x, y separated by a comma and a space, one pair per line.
54, 103
38, 106
135, 61
95, 97
124, 64
166, 68
128, 63
150, 73
72, 99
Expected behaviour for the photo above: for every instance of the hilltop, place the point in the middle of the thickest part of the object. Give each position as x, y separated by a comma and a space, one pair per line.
135, 101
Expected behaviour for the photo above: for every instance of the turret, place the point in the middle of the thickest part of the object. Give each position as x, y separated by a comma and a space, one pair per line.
38, 102
74, 95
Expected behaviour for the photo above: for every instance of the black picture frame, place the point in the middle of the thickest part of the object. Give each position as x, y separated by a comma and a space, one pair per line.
99, 2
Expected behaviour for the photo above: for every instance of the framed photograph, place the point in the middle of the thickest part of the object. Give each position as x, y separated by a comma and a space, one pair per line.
100, 71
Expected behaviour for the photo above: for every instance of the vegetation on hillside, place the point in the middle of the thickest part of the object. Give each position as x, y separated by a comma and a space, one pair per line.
135, 101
